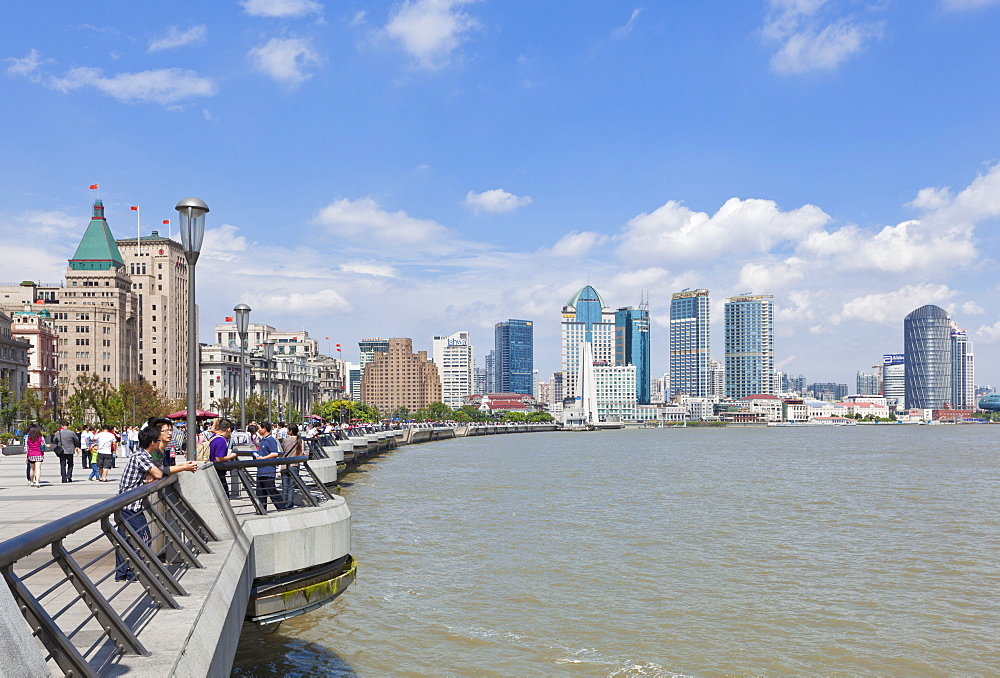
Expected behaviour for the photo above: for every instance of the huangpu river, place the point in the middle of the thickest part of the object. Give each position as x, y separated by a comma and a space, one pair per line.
864, 550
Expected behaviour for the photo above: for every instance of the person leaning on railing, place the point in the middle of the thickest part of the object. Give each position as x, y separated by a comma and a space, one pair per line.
265, 474
140, 469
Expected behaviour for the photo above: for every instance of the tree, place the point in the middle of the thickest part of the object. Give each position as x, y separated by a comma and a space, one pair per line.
226, 407
543, 417
401, 412
8, 405
438, 411
292, 414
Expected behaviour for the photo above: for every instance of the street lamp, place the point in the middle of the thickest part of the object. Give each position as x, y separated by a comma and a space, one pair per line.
242, 312
268, 354
192, 213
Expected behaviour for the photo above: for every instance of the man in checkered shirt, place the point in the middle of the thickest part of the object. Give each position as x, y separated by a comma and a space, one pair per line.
145, 466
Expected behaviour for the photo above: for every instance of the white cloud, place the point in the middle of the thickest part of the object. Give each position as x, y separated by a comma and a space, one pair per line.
223, 243
972, 308
376, 270
175, 37
931, 198
284, 301
968, 4
281, 8
162, 86
624, 31
52, 222
810, 39
283, 59
770, 276
430, 30
29, 67
892, 307
496, 200
364, 220
989, 334
674, 232
575, 244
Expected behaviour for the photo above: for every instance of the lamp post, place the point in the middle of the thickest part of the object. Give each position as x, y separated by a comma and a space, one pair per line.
268, 354
242, 312
192, 213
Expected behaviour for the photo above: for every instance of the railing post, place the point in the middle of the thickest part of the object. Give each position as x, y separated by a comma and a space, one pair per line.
64, 653
117, 630
143, 565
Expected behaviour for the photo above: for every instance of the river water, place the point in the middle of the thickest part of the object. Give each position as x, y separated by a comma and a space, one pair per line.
657, 552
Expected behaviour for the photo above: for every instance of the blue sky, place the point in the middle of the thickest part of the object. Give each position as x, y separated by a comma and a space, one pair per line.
422, 167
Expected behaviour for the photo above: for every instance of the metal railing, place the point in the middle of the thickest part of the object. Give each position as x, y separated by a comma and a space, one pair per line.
299, 487
62, 575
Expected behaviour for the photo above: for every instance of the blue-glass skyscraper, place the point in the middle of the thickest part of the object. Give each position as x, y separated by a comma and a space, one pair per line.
689, 343
514, 359
632, 347
927, 345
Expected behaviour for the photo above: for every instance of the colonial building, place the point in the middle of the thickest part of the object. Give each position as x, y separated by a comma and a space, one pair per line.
159, 274
13, 359
95, 312
400, 378
43, 355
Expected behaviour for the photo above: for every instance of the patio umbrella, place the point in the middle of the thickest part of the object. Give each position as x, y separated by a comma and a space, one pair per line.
199, 414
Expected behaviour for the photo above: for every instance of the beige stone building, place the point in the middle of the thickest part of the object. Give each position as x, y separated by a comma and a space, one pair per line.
36, 327
400, 378
159, 274
94, 313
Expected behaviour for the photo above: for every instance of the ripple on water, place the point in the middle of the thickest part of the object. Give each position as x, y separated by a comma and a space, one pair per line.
661, 553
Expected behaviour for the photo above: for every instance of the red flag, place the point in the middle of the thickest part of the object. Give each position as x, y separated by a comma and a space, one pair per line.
229, 318
166, 221
134, 208
338, 345
328, 338
93, 186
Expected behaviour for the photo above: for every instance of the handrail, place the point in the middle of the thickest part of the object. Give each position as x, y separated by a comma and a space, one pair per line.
273, 461
22, 545
76, 555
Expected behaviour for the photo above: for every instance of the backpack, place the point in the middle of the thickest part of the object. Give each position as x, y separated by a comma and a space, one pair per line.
203, 450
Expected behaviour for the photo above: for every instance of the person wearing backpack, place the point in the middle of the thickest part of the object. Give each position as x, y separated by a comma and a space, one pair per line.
67, 446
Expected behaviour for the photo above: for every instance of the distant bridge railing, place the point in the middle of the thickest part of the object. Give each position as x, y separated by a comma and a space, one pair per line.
62, 575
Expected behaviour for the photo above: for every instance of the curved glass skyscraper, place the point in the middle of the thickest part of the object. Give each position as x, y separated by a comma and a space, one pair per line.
927, 345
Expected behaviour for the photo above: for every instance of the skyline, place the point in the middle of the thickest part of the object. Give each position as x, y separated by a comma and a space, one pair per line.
420, 168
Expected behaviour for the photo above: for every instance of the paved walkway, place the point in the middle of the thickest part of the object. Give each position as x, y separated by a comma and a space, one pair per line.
23, 507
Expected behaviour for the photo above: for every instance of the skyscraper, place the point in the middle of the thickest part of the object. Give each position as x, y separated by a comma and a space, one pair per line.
749, 345
454, 359
689, 343
515, 357
867, 383
963, 389
399, 378
585, 319
368, 349
927, 346
632, 346
894, 379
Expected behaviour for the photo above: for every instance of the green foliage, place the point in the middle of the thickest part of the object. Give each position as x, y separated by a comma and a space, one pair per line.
352, 409
438, 411
292, 414
226, 407
401, 413
541, 417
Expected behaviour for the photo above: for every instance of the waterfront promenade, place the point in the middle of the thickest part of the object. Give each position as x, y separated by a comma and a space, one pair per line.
25, 507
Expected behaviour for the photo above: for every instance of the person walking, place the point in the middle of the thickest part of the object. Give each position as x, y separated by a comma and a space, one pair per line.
105, 452
34, 449
291, 446
140, 469
67, 446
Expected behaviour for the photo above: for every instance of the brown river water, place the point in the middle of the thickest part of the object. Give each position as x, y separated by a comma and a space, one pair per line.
865, 550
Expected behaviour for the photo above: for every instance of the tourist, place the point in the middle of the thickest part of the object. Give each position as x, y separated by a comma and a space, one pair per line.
291, 446
140, 469
34, 450
133, 439
220, 449
67, 446
105, 452
267, 449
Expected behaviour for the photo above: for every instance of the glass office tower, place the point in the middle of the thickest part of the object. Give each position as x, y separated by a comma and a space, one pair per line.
632, 347
689, 343
749, 345
514, 357
927, 346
